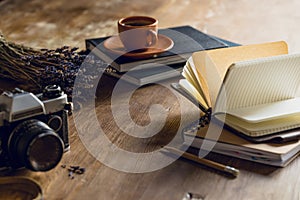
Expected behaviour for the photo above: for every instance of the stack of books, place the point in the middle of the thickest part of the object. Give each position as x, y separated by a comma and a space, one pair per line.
141, 68
231, 144
253, 91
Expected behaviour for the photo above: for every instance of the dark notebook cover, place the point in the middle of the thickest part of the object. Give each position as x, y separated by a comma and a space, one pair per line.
186, 41
147, 76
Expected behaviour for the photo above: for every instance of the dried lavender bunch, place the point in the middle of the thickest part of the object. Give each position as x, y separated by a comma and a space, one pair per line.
11, 64
35, 69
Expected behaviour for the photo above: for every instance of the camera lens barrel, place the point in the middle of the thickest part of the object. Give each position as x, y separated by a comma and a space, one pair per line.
35, 145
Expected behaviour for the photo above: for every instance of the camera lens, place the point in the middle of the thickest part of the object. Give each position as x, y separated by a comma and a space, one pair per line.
35, 145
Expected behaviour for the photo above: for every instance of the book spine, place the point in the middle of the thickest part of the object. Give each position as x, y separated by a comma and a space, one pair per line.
93, 49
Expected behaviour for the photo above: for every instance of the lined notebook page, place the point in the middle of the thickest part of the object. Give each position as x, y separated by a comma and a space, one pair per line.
263, 112
212, 65
261, 128
261, 81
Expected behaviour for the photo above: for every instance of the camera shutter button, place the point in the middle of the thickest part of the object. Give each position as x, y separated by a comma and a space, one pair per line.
52, 91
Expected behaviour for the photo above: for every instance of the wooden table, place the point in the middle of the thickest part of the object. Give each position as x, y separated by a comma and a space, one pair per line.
55, 23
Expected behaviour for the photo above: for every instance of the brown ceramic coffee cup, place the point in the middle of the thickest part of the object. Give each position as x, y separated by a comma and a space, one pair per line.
138, 32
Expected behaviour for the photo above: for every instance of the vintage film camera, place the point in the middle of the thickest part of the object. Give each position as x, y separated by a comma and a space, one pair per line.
33, 128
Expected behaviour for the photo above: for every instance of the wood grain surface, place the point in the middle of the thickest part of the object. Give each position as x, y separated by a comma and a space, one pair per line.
51, 24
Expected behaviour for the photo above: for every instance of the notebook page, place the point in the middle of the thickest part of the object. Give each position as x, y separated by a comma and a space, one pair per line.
187, 73
202, 89
270, 111
261, 128
212, 65
191, 90
261, 81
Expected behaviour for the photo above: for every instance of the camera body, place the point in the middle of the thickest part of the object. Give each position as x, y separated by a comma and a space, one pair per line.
33, 128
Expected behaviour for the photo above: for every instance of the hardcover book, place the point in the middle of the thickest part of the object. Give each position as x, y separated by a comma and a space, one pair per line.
276, 154
252, 89
147, 76
186, 41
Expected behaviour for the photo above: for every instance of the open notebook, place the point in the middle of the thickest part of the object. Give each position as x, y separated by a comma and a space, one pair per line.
253, 89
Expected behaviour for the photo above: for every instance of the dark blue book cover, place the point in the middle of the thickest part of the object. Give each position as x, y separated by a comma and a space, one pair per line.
186, 41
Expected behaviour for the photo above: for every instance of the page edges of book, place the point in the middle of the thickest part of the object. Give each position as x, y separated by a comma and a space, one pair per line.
202, 87
189, 72
261, 128
192, 91
228, 137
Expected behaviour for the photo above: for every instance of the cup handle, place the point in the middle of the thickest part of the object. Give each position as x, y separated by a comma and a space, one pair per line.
151, 38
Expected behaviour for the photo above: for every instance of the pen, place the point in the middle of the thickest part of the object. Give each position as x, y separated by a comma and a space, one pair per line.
224, 168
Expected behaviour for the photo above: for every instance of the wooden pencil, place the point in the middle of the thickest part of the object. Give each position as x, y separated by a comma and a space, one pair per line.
224, 168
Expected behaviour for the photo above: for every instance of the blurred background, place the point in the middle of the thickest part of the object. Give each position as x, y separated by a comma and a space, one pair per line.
51, 24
